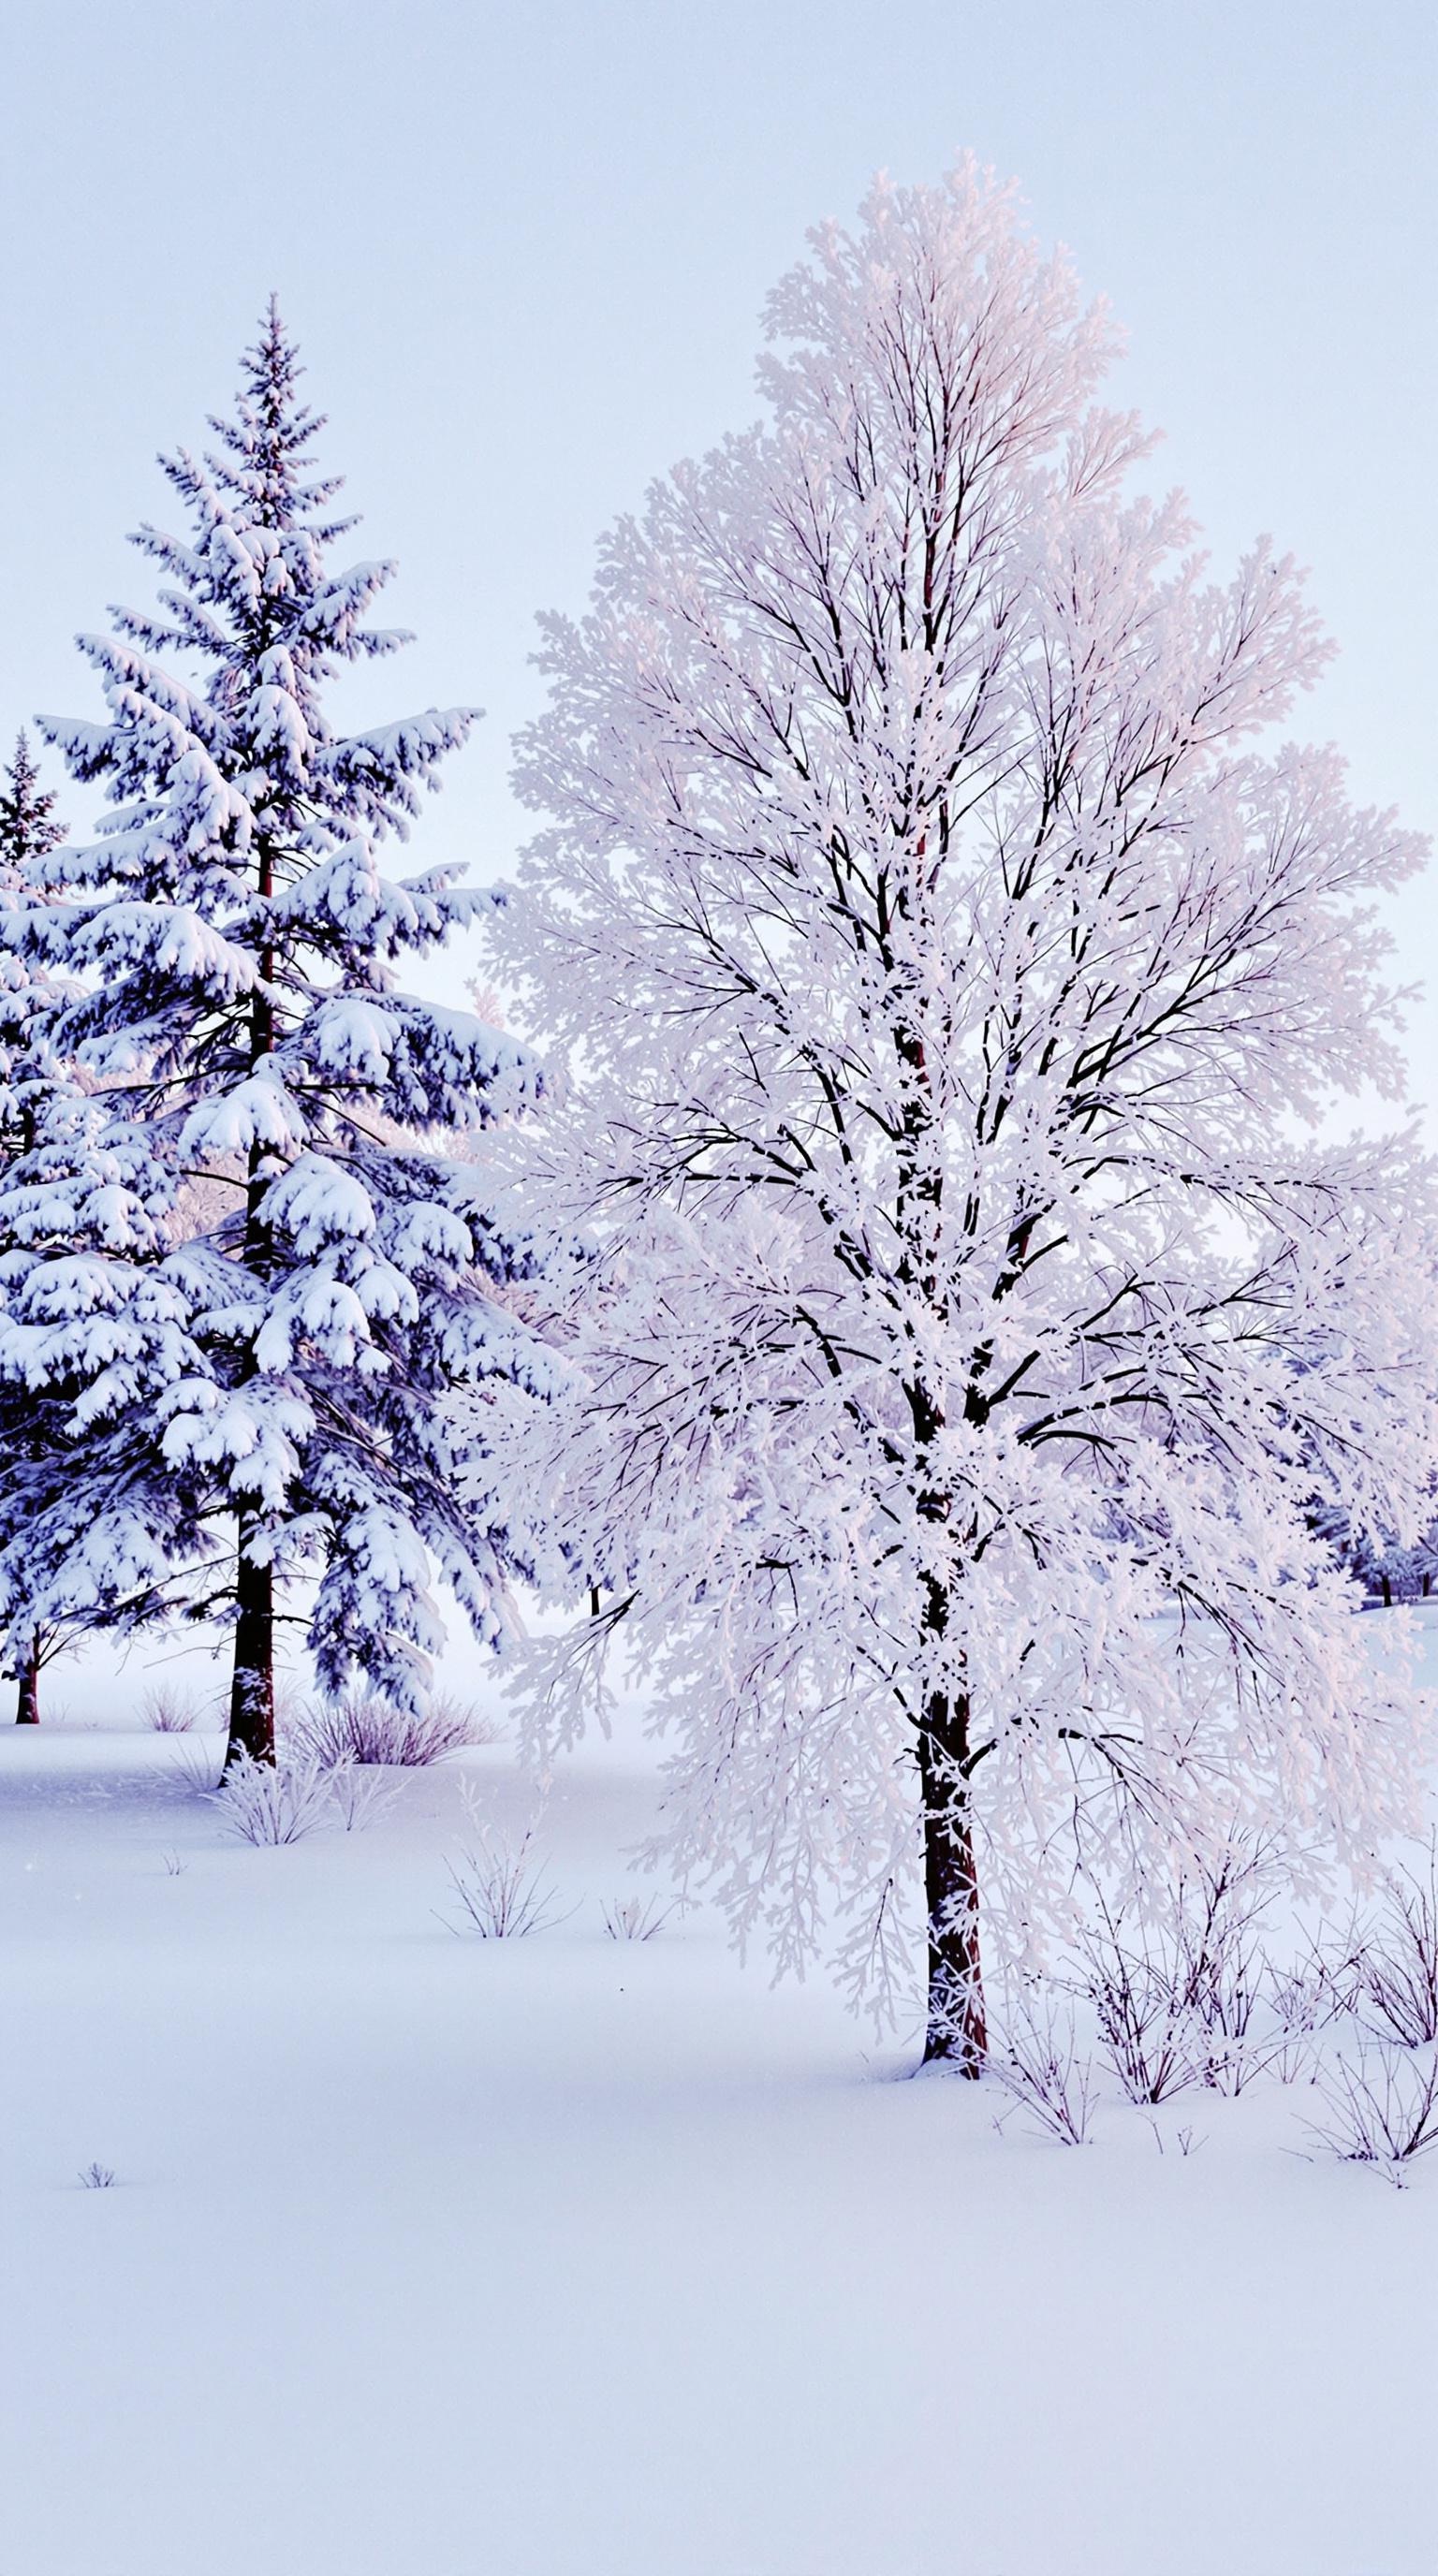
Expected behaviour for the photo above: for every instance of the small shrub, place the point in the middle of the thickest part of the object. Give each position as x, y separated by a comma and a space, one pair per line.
1302, 1997
359, 1728
1290, 2055
1196, 2002
358, 1799
273, 1802
1185, 2140
174, 1866
501, 1892
1145, 2023
1040, 2066
1227, 1982
1393, 1968
1384, 2114
197, 1769
168, 1709
636, 1918
96, 2178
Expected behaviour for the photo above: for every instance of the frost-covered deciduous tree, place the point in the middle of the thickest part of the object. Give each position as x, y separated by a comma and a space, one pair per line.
236, 1273
946, 970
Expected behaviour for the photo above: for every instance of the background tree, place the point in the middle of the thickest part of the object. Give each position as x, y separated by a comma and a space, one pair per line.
1389, 1573
278, 1371
946, 976
28, 827
29, 830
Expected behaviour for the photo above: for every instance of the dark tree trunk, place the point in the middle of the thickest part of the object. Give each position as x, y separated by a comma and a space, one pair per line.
252, 1689
252, 1686
27, 1702
956, 2031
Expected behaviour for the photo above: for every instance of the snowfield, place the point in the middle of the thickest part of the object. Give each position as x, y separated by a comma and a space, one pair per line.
434, 2256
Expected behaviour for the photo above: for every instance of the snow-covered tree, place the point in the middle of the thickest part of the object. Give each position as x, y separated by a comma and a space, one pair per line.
945, 973
28, 825
236, 1271
1389, 1572
29, 830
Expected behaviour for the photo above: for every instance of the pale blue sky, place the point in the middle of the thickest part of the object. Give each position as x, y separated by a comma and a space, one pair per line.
524, 250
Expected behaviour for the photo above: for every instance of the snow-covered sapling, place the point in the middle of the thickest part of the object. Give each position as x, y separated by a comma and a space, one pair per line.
254, 1283
946, 963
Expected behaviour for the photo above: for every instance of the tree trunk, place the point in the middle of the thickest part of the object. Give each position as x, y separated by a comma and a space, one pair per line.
252, 1688
27, 1703
956, 2029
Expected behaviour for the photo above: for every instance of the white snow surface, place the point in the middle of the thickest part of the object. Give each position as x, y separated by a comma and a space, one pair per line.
432, 2256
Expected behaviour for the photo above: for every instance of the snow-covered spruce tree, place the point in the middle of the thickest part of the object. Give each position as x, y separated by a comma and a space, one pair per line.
29, 830
1389, 1573
28, 827
237, 1279
945, 973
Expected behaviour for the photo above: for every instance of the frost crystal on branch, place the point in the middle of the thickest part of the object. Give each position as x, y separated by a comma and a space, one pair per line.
947, 964
237, 1274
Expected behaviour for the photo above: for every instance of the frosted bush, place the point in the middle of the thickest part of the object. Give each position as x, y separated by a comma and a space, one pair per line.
1382, 2113
195, 1768
1136, 1987
1196, 1999
361, 1728
1393, 1971
635, 1918
273, 1802
501, 1892
357, 1798
168, 1709
1038, 2062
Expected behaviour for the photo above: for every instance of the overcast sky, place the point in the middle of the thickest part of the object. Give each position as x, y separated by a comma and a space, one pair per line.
524, 248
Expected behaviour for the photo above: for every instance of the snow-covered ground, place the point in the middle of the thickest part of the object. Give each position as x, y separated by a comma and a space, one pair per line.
430, 2256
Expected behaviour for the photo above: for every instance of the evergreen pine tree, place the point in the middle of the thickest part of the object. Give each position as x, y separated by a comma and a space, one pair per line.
257, 1286
27, 825
28, 832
